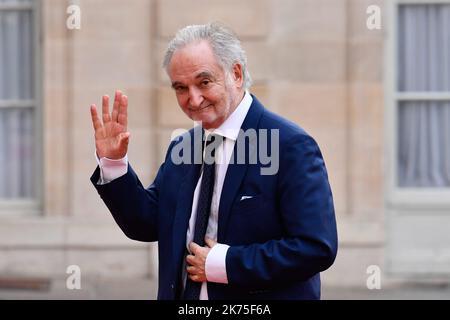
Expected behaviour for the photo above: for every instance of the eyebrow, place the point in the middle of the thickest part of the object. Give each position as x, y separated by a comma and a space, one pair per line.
204, 74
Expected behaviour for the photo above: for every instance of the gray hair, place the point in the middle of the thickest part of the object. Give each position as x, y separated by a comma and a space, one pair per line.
224, 43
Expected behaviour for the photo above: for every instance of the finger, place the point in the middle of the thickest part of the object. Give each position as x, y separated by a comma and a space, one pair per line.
115, 112
194, 277
105, 109
191, 270
210, 242
124, 139
123, 111
194, 248
95, 120
190, 259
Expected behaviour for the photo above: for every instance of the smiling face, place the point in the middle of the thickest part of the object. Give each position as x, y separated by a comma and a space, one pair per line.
204, 91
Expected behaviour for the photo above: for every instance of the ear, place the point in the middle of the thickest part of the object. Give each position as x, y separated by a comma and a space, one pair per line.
238, 76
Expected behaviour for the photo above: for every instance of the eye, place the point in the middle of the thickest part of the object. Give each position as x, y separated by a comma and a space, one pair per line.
180, 89
205, 82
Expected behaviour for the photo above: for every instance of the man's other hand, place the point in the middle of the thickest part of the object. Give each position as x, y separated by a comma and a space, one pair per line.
196, 261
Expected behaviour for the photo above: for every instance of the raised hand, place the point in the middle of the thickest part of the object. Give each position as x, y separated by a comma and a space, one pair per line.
111, 135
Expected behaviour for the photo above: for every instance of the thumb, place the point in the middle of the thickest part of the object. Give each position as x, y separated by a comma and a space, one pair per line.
210, 242
124, 139
193, 247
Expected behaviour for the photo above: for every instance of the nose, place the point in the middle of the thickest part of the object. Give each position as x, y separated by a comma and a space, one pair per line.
195, 98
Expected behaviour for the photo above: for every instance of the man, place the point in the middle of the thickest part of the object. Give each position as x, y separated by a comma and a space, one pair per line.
226, 229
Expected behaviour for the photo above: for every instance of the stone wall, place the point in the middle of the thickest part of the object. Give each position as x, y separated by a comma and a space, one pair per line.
313, 61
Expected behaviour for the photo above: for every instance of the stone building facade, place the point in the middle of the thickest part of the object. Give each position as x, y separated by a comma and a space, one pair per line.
313, 61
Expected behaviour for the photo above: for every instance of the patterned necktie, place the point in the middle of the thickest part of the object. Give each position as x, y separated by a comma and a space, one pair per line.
192, 289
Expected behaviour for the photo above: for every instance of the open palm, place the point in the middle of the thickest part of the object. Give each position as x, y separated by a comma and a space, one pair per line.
111, 135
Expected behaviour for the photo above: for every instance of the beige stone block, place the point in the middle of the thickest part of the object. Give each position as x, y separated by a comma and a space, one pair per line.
310, 61
30, 233
153, 260
127, 289
160, 50
321, 110
350, 267
57, 290
111, 263
116, 21
247, 18
365, 61
169, 113
308, 20
141, 107
56, 67
164, 137
98, 234
54, 18
357, 20
260, 60
84, 199
141, 154
105, 64
262, 93
32, 262
361, 231
366, 150
82, 97
56, 152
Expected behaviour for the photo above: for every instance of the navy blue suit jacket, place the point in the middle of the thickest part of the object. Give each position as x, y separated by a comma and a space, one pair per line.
280, 239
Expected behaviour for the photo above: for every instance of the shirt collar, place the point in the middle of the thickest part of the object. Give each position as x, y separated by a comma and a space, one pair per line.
231, 126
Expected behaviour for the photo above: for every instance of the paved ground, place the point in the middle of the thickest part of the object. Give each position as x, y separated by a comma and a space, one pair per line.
146, 290
403, 292
90, 290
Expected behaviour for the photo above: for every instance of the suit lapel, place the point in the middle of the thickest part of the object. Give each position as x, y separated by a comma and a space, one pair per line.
236, 171
184, 202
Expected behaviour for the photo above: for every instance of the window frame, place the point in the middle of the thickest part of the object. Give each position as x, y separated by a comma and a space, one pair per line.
396, 196
15, 207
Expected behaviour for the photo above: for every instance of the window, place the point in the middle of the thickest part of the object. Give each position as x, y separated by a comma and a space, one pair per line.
419, 111
19, 112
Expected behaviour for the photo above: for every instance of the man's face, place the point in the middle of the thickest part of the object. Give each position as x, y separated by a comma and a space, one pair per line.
204, 91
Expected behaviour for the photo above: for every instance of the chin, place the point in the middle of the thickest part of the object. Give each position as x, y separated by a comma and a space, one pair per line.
206, 122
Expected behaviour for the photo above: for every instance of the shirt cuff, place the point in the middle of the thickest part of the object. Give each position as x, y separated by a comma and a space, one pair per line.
111, 169
215, 267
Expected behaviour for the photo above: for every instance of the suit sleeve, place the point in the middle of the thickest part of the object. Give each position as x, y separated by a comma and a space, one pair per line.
133, 207
306, 209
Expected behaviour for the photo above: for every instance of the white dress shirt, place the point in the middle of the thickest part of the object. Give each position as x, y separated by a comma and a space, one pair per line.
215, 267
